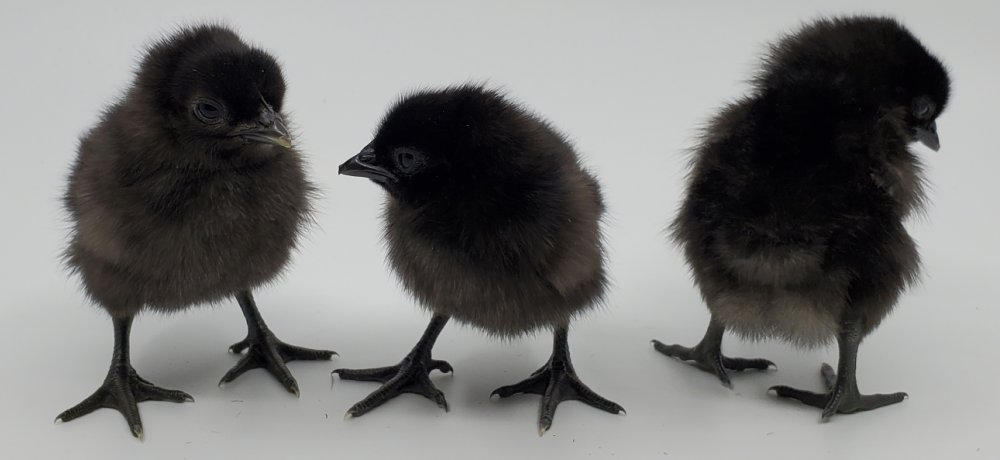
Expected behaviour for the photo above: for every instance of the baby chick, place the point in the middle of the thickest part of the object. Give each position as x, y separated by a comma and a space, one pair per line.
188, 191
490, 219
792, 221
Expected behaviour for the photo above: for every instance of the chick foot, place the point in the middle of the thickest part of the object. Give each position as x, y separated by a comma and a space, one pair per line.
842, 394
556, 382
707, 355
267, 352
411, 375
123, 388
264, 350
842, 399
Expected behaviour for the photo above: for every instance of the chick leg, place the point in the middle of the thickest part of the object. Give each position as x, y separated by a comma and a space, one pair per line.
707, 355
556, 381
123, 388
264, 350
411, 375
842, 394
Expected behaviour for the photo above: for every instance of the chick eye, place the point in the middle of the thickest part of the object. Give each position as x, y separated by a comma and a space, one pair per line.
922, 110
208, 111
406, 159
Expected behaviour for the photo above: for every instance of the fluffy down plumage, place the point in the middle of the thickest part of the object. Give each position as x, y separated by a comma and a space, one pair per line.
793, 216
186, 192
490, 219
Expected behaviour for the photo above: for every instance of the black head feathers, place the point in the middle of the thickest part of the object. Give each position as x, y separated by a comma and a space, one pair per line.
469, 141
875, 53
466, 156
861, 63
213, 91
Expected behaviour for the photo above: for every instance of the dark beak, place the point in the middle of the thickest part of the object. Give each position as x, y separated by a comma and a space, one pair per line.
363, 165
928, 136
270, 129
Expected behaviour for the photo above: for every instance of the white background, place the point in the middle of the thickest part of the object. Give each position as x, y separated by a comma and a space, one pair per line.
630, 82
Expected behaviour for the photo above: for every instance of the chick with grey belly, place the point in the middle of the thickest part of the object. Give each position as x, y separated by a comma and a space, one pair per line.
793, 216
188, 192
491, 220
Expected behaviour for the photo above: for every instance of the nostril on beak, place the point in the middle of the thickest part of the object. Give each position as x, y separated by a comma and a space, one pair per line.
266, 118
367, 156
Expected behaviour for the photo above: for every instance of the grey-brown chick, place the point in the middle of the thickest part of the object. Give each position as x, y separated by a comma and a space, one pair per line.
186, 192
491, 220
793, 216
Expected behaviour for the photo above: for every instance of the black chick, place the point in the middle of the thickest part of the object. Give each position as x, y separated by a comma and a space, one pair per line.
491, 220
793, 216
188, 191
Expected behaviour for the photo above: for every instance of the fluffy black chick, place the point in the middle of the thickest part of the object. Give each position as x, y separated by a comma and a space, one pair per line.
186, 192
793, 217
491, 220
